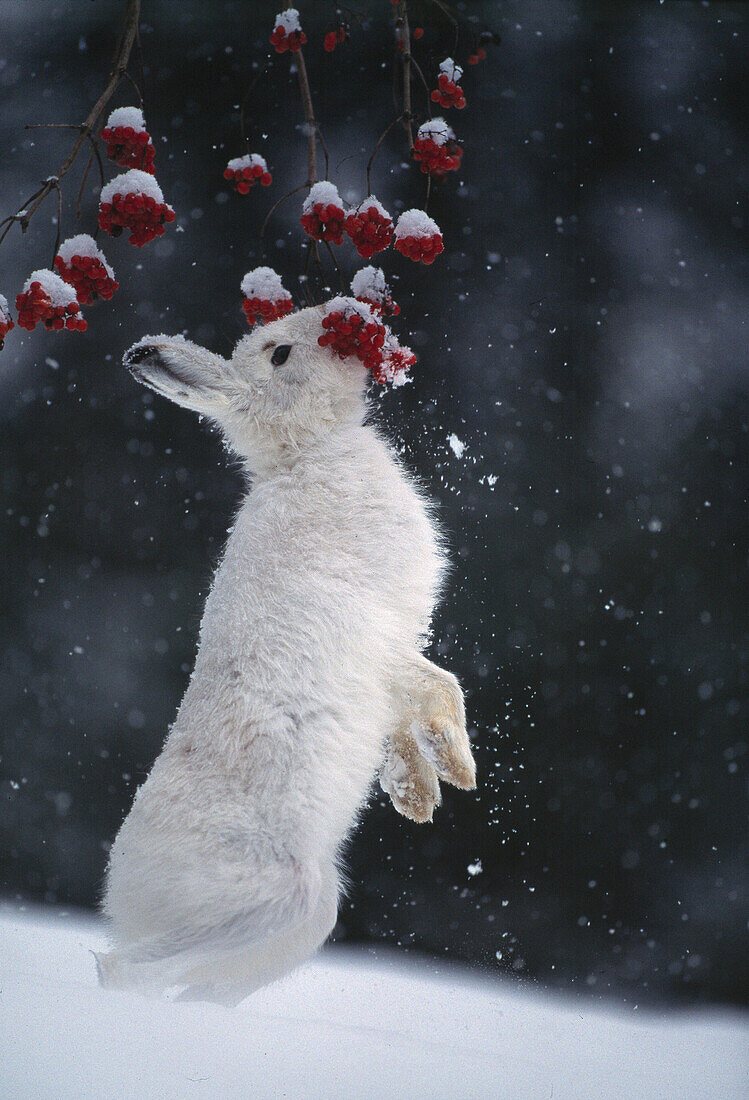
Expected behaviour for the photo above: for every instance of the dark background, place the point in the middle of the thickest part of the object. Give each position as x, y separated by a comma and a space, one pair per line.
583, 335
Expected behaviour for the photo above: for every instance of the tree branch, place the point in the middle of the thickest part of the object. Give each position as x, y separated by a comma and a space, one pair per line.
309, 116
406, 32
125, 41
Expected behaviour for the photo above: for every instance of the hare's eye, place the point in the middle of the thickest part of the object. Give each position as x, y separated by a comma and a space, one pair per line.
280, 355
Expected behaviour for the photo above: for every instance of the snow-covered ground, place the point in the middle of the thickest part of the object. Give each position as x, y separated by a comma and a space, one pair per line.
349, 1025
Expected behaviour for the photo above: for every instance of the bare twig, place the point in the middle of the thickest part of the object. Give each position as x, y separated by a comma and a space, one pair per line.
309, 116
118, 70
272, 211
336, 266
380, 140
247, 95
456, 26
406, 32
59, 224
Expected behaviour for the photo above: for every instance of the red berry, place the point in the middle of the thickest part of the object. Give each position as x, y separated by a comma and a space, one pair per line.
418, 33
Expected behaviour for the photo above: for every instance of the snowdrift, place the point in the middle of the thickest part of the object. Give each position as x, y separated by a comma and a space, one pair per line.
353, 1024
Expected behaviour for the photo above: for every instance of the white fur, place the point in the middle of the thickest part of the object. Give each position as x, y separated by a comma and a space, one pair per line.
308, 680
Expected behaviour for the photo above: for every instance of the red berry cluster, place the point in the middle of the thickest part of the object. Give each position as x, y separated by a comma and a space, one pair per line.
282, 41
383, 307
243, 175
424, 249
370, 227
139, 212
332, 38
395, 361
347, 332
130, 148
435, 158
418, 236
6, 321
479, 55
263, 309
34, 304
448, 93
88, 276
323, 218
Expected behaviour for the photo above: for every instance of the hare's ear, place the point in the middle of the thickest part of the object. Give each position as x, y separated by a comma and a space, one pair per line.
187, 374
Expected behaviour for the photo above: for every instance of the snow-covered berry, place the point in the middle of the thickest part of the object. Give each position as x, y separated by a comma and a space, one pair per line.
333, 38
48, 298
396, 360
370, 227
128, 142
287, 32
242, 172
448, 92
6, 321
418, 236
436, 148
264, 296
369, 286
82, 264
322, 213
134, 201
352, 329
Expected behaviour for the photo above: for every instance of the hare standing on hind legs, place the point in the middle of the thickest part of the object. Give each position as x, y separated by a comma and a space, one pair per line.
308, 682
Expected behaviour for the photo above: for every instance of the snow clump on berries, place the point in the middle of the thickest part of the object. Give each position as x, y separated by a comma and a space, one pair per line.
81, 263
242, 172
128, 142
48, 298
352, 329
323, 214
435, 146
396, 359
370, 227
265, 297
369, 286
134, 201
418, 236
448, 92
287, 32
6, 321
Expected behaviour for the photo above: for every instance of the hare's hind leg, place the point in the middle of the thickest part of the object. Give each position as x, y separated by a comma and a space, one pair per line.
230, 978
241, 926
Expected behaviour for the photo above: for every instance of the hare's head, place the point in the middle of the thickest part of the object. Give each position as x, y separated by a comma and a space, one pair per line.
278, 394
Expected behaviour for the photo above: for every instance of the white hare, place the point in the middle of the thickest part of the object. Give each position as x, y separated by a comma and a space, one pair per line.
309, 679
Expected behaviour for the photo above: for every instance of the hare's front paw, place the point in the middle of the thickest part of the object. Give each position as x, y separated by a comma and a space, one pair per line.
439, 730
410, 781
